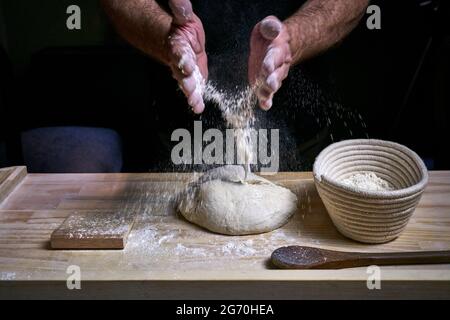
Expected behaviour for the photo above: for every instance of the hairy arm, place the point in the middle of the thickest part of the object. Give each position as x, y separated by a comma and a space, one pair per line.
320, 24
176, 39
143, 23
275, 46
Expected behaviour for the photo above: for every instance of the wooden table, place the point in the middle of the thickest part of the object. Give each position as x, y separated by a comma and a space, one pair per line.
167, 257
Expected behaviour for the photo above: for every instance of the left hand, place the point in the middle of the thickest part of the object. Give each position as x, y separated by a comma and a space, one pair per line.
270, 59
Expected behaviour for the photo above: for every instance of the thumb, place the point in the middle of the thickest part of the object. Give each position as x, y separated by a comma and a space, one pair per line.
270, 27
181, 10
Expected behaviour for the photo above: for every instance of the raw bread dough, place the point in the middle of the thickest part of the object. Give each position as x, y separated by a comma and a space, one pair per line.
223, 202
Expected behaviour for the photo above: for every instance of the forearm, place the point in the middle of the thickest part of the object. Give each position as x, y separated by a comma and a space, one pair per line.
143, 23
320, 24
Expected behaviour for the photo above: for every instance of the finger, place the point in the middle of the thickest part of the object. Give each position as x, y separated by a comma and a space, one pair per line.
272, 84
263, 93
270, 27
275, 57
186, 84
265, 97
265, 104
189, 87
195, 100
186, 65
181, 10
183, 56
176, 73
274, 80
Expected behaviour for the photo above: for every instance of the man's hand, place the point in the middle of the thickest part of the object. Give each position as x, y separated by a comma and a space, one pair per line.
270, 59
186, 52
176, 39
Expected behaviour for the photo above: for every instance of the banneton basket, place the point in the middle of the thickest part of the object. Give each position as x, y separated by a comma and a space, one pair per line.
364, 215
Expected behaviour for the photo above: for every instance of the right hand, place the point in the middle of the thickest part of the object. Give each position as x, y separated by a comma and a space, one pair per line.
270, 59
187, 56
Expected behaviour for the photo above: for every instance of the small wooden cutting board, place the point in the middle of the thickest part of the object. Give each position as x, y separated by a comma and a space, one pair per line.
93, 231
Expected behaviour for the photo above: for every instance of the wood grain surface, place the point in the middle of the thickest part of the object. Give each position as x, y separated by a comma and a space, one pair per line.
162, 246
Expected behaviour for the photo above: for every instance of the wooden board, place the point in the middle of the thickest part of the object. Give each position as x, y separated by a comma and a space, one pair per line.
9, 179
167, 257
89, 230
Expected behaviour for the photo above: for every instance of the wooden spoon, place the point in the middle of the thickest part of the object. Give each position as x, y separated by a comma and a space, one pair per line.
298, 257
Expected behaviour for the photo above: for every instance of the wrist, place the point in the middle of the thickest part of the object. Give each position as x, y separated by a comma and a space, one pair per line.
155, 41
296, 39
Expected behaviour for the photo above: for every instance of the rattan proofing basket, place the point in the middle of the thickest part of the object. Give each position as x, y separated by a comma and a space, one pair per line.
363, 215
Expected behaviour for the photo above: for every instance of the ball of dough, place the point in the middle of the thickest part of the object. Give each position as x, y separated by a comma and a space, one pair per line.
221, 201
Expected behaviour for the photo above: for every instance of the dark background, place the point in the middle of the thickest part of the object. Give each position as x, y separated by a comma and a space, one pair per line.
396, 78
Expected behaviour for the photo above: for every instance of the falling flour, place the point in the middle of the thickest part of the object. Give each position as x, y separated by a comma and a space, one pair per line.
367, 181
237, 109
238, 112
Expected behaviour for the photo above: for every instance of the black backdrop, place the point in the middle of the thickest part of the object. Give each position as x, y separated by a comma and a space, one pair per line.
397, 78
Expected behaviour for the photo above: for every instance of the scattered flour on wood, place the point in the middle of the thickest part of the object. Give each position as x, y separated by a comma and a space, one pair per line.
367, 181
181, 249
152, 242
95, 225
239, 248
7, 276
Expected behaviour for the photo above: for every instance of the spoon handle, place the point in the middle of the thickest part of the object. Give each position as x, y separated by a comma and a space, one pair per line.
402, 258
